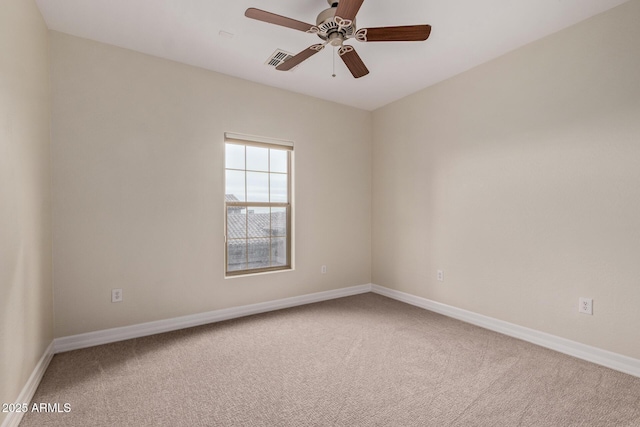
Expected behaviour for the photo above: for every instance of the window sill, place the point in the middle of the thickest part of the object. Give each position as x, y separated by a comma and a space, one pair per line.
262, 273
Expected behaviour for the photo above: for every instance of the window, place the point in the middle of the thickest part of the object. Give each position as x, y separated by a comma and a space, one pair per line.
257, 204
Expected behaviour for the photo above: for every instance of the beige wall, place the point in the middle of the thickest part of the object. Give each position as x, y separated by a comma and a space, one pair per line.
521, 180
518, 178
138, 187
26, 317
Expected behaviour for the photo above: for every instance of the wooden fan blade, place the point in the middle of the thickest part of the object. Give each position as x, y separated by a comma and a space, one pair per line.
302, 56
348, 9
272, 18
353, 62
407, 33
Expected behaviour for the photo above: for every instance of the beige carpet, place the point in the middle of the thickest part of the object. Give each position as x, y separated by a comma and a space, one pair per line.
357, 361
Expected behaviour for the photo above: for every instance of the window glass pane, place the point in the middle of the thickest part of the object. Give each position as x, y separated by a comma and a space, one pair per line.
236, 222
279, 188
257, 187
258, 222
236, 255
258, 159
278, 222
234, 190
258, 252
234, 156
279, 161
278, 251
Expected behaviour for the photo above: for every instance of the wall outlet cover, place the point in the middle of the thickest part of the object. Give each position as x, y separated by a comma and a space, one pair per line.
585, 305
116, 295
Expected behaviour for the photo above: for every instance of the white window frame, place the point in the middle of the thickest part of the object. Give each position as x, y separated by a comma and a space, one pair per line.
257, 141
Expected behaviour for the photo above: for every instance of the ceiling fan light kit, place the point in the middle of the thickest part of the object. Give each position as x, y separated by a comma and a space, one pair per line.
336, 25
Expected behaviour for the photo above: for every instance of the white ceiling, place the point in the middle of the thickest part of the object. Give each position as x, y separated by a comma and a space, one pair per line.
465, 33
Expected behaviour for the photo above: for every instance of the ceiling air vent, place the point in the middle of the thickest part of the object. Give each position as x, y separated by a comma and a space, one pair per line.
277, 58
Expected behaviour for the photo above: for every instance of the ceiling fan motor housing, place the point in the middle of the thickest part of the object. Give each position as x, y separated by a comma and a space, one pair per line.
330, 30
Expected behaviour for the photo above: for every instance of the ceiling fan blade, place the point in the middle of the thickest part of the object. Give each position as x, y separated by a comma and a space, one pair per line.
272, 18
407, 33
302, 56
348, 9
352, 61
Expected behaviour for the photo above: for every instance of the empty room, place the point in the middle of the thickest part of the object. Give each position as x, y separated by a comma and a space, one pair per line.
319, 213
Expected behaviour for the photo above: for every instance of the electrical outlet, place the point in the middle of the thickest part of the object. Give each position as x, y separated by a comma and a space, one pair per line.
585, 305
440, 276
116, 295
323, 269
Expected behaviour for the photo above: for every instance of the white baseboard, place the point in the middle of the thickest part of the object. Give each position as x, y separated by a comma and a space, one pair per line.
106, 336
29, 389
621, 363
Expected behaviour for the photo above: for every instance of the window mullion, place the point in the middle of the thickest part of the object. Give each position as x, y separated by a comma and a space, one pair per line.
246, 214
269, 192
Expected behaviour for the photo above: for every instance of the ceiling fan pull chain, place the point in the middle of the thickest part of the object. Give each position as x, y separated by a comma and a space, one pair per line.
334, 62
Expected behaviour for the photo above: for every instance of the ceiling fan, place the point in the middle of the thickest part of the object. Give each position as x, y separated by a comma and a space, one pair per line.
336, 25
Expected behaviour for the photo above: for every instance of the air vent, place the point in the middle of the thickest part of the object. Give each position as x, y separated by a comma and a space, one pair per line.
278, 57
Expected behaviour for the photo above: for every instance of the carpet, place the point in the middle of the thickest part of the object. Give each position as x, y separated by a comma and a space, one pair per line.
364, 360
